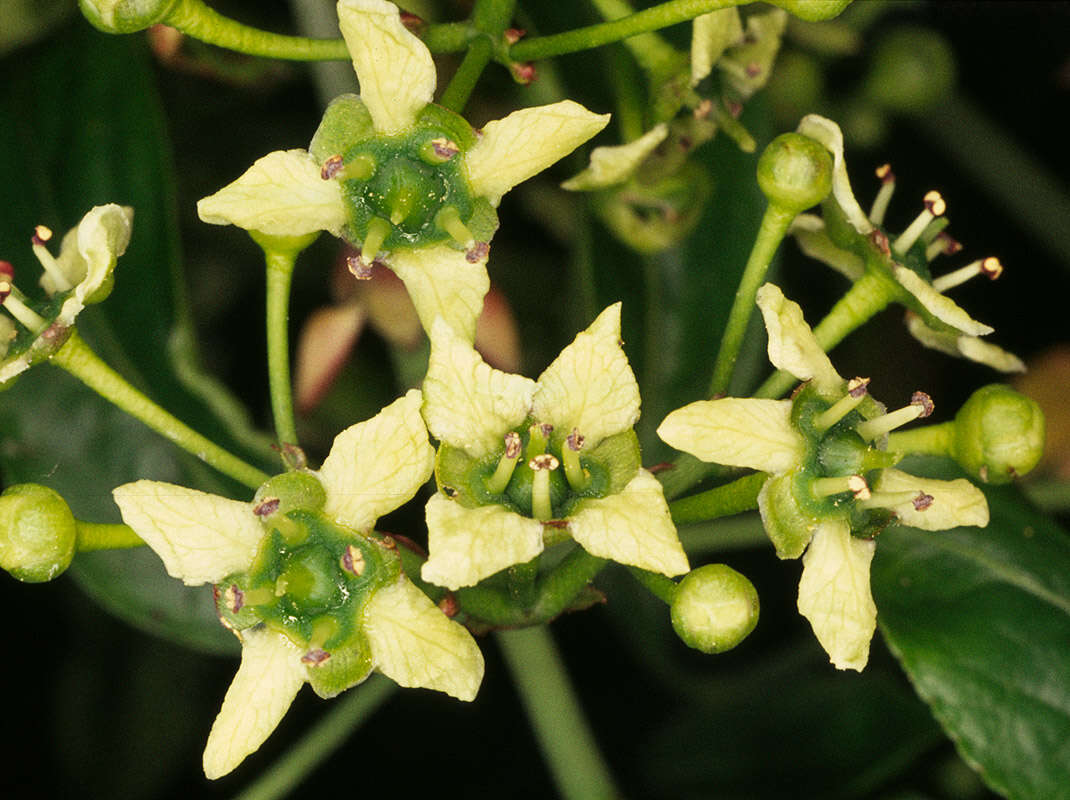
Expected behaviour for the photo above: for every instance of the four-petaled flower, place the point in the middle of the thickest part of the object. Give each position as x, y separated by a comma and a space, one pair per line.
854, 243
503, 438
831, 487
81, 274
311, 591
408, 182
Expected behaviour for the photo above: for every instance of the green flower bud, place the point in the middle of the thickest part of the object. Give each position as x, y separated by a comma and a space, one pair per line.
812, 10
290, 491
795, 172
714, 609
999, 434
37, 533
126, 16
912, 70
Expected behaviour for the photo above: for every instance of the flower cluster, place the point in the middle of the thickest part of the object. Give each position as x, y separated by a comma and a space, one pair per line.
832, 486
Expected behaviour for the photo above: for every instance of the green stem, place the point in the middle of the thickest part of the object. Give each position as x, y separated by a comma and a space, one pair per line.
566, 740
732, 498
774, 225
867, 296
651, 51
196, 19
280, 267
933, 440
658, 585
650, 19
76, 357
330, 733
467, 75
93, 536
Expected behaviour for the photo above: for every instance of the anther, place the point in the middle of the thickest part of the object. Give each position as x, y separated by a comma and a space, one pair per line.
477, 252
439, 150
542, 465
514, 35
575, 474
538, 439
266, 507
856, 392
989, 267
352, 560
880, 241
921, 405
234, 597
358, 268
827, 487
884, 195
41, 235
331, 167
497, 483
934, 207
943, 244
315, 657
922, 501
524, 72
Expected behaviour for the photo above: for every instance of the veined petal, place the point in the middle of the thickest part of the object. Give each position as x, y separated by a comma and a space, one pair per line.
415, 644
525, 143
200, 537
961, 344
470, 544
940, 306
281, 194
834, 594
442, 282
829, 134
613, 165
792, 345
468, 403
590, 386
813, 240
738, 432
711, 35
631, 527
89, 250
395, 70
270, 675
376, 465
954, 503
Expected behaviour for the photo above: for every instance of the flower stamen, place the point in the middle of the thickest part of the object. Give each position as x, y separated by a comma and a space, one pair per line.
827, 487
943, 244
42, 234
921, 405
538, 439
378, 231
989, 267
884, 196
449, 220
934, 207
542, 465
856, 392
497, 483
576, 475
15, 301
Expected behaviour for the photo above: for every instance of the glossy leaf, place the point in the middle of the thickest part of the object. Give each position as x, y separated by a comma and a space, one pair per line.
980, 620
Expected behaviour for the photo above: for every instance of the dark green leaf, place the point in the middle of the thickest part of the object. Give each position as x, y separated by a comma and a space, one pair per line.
980, 620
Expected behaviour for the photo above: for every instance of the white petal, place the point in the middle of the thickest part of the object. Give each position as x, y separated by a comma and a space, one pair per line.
613, 165
711, 34
834, 594
467, 545
943, 308
442, 282
377, 465
395, 70
415, 644
467, 403
270, 675
829, 134
961, 344
738, 432
281, 194
525, 143
200, 537
631, 527
89, 250
590, 386
792, 345
955, 503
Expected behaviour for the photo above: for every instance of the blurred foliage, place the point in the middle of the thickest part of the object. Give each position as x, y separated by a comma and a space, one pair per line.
119, 713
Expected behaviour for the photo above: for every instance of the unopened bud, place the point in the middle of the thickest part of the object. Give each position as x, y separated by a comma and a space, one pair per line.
37, 533
999, 434
795, 172
714, 608
126, 16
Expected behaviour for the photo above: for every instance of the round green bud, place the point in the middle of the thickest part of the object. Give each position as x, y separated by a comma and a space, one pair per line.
812, 10
999, 434
912, 70
795, 172
126, 16
714, 608
290, 491
37, 533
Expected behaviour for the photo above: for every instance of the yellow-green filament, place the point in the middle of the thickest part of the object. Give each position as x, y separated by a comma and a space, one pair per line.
826, 487
878, 426
541, 507
497, 482
378, 230
449, 220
